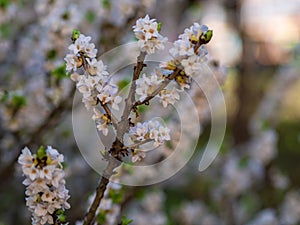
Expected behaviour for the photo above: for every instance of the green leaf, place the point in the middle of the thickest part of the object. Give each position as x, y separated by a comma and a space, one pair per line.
125, 220
142, 108
4, 4
101, 217
60, 72
244, 161
265, 125
75, 35
128, 167
250, 202
18, 101
90, 16
41, 153
5, 30
159, 25
61, 216
140, 194
116, 196
106, 4
65, 15
51, 54
207, 36
123, 83
169, 144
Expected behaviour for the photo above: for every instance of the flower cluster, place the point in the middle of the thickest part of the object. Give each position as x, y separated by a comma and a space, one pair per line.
188, 51
147, 85
147, 31
45, 184
151, 130
94, 84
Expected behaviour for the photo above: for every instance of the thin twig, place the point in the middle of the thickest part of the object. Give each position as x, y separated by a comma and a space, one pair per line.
110, 114
131, 96
137, 144
159, 89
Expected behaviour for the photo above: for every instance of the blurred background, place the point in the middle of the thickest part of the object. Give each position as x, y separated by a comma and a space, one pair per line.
255, 179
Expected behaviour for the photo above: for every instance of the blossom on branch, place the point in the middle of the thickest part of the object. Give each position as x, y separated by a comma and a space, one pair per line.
146, 31
46, 192
150, 130
188, 51
95, 84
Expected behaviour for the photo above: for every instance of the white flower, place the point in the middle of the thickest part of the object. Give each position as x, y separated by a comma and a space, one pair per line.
83, 46
97, 68
187, 51
103, 128
158, 133
151, 130
138, 156
105, 204
149, 39
117, 100
141, 131
191, 65
168, 97
107, 93
182, 48
145, 86
72, 62
25, 158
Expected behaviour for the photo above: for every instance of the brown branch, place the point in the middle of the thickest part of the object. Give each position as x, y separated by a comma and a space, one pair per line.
131, 96
113, 163
110, 114
137, 144
117, 146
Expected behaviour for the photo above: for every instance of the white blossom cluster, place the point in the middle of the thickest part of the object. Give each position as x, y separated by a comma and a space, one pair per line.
146, 31
151, 130
146, 85
95, 84
188, 50
46, 192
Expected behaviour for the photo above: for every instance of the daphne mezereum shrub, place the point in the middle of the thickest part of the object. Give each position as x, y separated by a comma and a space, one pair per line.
100, 95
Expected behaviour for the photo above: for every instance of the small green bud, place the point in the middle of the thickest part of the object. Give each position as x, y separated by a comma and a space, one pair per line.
75, 35
41, 153
59, 72
206, 37
125, 220
159, 25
